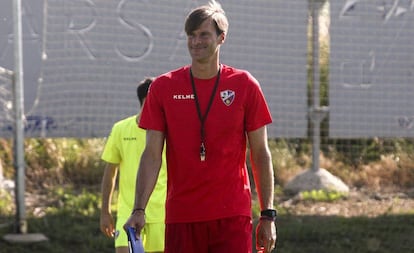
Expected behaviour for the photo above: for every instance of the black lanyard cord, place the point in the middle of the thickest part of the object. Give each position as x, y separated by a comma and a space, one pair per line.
200, 116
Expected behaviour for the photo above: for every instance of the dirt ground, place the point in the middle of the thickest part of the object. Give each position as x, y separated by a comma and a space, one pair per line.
367, 203
361, 202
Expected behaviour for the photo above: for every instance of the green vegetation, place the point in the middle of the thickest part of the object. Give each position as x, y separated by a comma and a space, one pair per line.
338, 234
66, 173
74, 228
72, 225
321, 195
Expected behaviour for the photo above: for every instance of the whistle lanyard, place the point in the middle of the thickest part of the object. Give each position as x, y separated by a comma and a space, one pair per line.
201, 117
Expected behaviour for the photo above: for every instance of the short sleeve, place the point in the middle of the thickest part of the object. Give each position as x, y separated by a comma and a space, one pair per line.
257, 110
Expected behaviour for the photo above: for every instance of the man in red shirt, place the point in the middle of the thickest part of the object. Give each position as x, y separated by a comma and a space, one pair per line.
206, 113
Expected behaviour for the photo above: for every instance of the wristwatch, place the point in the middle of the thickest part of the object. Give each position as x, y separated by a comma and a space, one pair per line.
269, 214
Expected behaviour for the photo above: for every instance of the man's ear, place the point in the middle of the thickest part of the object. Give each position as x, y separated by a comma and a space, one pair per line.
222, 37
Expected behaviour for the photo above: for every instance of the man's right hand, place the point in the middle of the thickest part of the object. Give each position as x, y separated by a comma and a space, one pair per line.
107, 224
136, 220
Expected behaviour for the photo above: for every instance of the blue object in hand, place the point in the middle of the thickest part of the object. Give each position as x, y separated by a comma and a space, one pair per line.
134, 244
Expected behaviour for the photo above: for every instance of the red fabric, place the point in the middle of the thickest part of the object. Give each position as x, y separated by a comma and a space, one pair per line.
218, 187
219, 236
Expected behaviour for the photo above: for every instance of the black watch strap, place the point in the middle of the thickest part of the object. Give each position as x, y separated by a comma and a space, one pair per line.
270, 213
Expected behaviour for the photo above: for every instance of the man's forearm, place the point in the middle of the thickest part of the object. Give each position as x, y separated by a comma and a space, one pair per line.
107, 187
264, 178
146, 179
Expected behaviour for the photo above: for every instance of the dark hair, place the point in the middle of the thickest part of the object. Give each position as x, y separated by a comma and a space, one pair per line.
212, 10
142, 89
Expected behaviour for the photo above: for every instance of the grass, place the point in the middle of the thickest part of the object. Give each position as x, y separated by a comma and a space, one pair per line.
321, 195
337, 234
303, 234
72, 225
66, 233
70, 217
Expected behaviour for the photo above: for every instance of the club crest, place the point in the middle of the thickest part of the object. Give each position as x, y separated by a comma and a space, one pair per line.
227, 96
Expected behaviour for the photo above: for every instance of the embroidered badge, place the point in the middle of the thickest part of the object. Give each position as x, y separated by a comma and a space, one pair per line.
227, 96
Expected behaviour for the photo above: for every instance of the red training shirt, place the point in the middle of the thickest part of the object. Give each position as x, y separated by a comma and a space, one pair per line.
219, 186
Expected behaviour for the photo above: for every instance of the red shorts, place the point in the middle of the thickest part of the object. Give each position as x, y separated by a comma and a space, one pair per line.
228, 235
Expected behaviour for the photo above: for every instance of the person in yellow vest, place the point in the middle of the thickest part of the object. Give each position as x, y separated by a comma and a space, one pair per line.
122, 153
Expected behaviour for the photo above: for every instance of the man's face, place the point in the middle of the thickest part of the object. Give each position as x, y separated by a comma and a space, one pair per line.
203, 43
